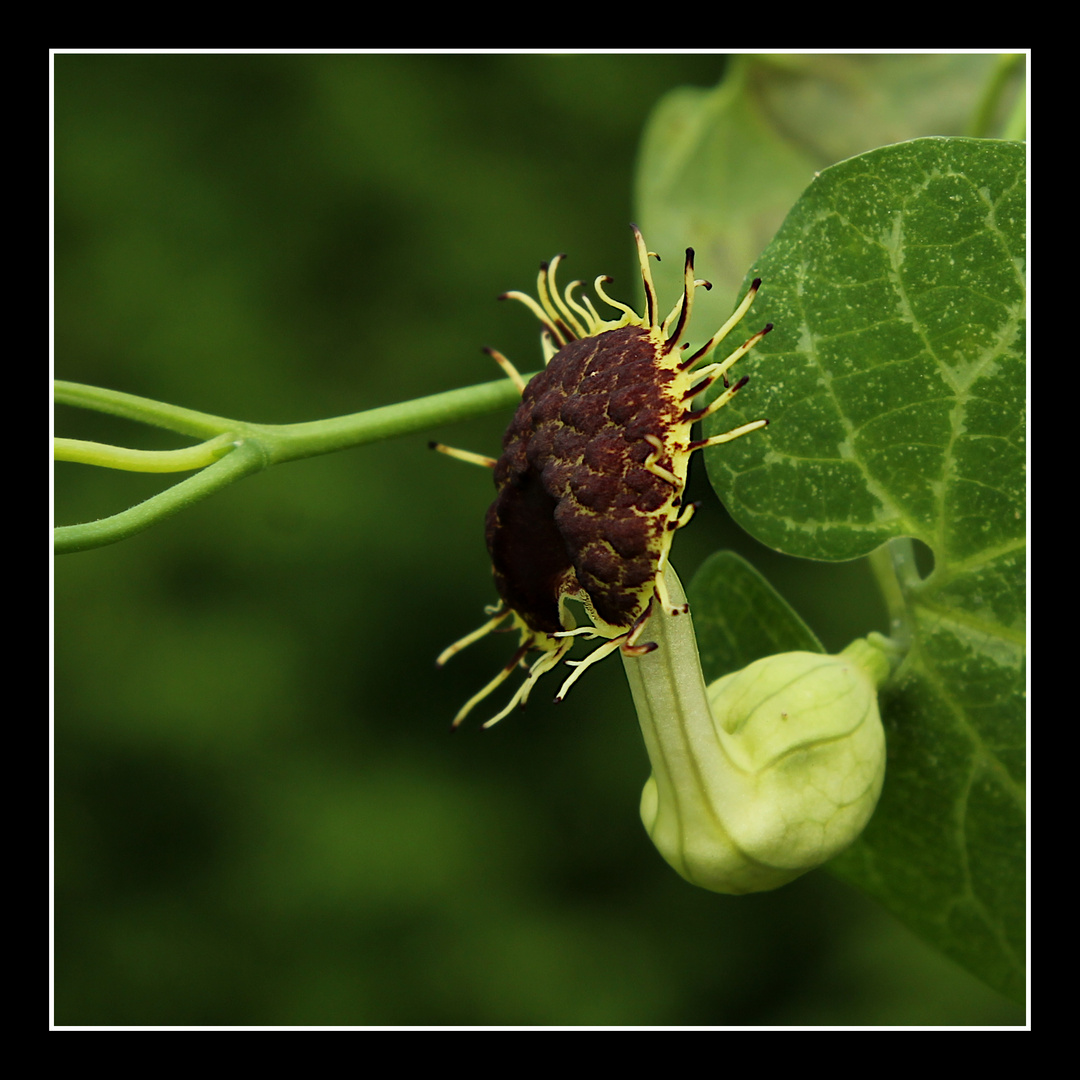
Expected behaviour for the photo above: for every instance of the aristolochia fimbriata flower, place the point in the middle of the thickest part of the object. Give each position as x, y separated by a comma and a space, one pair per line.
591, 477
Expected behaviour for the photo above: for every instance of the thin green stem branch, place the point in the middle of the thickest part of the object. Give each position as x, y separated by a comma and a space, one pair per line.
144, 410
287, 442
247, 447
244, 460
897, 576
155, 461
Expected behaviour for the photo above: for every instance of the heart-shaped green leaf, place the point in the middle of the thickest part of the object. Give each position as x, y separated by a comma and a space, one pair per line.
894, 381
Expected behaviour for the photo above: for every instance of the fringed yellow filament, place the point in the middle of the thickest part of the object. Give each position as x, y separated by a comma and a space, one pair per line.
539, 312
646, 277
495, 683
653, 467
684, 518
598, 288
727, 436
661, 591
726, 329
706, 375
699, 283
579, 666
544, 285
673, 314
464, 455
512, 372
629, 644
722, 399
739, 353
564, 311
598, 322
547, 347
688, 302
540, 666
468, 639
587, 313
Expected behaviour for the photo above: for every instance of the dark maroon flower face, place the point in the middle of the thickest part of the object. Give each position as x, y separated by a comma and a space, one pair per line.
577, 509
590, 481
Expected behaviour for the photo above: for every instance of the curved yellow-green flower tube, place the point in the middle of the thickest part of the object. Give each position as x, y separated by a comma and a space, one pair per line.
768, 772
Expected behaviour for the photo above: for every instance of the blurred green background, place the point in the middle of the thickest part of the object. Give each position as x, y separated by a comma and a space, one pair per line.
260, 815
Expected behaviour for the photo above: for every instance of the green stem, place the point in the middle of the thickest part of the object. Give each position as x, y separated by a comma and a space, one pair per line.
244, 460
248, 447
668, 689
144, 410
897, 576
156, 461
288, 442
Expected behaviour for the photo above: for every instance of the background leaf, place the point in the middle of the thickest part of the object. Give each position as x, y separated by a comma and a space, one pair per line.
721, 167
895, 384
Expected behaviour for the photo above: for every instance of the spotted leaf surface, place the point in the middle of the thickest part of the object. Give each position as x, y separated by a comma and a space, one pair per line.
895, 388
